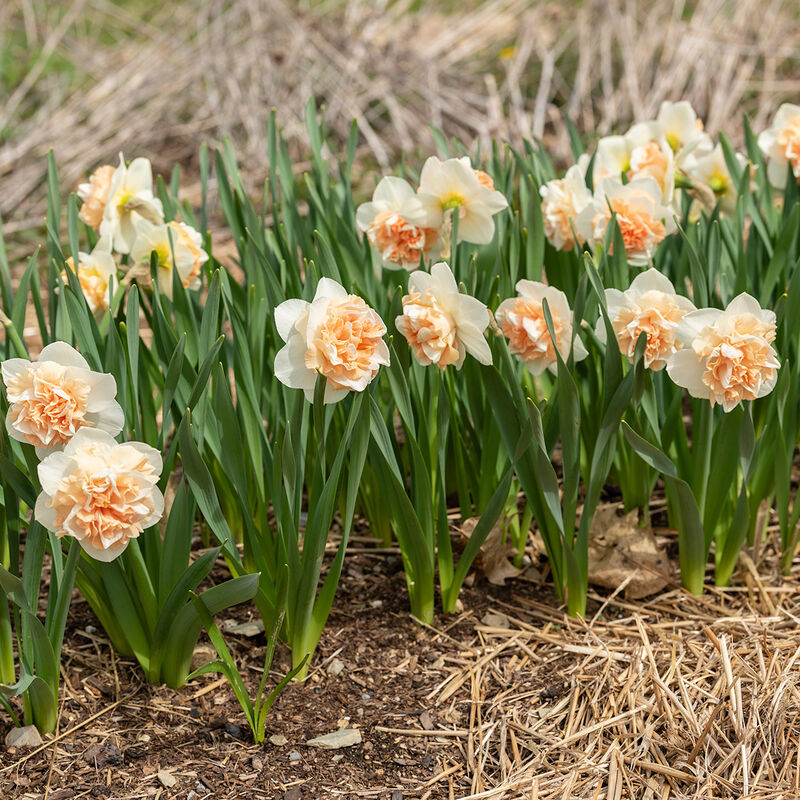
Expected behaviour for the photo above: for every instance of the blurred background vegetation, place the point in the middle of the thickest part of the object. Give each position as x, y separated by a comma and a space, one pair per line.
91, 78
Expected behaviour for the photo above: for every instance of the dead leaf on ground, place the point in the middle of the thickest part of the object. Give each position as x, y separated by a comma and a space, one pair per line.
620, 548
492, 560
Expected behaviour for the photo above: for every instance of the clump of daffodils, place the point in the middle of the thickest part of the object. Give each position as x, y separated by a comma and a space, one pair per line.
99, 491
661, 159
409, 229
119, 203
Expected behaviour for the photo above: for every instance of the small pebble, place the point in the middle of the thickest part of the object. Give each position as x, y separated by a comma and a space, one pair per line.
278, 740
366, 696
23, 737
191, 796
346, 737
165, 779
336, 667
249, 629
376, 603
294, 756
90, 629
495, 620
295, 793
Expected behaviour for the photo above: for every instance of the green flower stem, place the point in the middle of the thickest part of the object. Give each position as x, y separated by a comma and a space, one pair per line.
702, 438
145, 590
6, 645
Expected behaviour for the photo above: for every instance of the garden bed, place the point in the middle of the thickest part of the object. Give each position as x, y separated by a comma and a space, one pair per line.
676, 696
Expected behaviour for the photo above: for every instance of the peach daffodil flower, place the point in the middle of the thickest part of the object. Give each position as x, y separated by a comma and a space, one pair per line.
440, 324
522, 321
562, 201
642, 218
53, 398
781, 145
401, 224
101, 492
727, 356
94, 195
470, 193
651, 306
336, 335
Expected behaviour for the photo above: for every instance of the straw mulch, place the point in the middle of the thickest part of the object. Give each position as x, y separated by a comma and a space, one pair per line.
680, 697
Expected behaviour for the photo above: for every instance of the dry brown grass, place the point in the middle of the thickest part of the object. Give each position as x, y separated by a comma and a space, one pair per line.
194, 71
679, 697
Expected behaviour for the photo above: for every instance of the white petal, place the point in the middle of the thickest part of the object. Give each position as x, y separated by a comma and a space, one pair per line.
532, 290
579, 352
290, 368
331, 395
286, 314
652, 280
86, 435
392, 191
365, 215
158, 509
51, 470
615, 302
111, 419
150, 453
103, 390
43, 514
443, 279
475, 342
107, 555
139, 175
477, 225
13, 367
744, 304
328, 288
63, 354
693, 322
686, 369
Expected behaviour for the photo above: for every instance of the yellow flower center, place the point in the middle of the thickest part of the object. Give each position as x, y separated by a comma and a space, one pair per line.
718, 183
164, 253
452, 201
673, 141
121, 199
